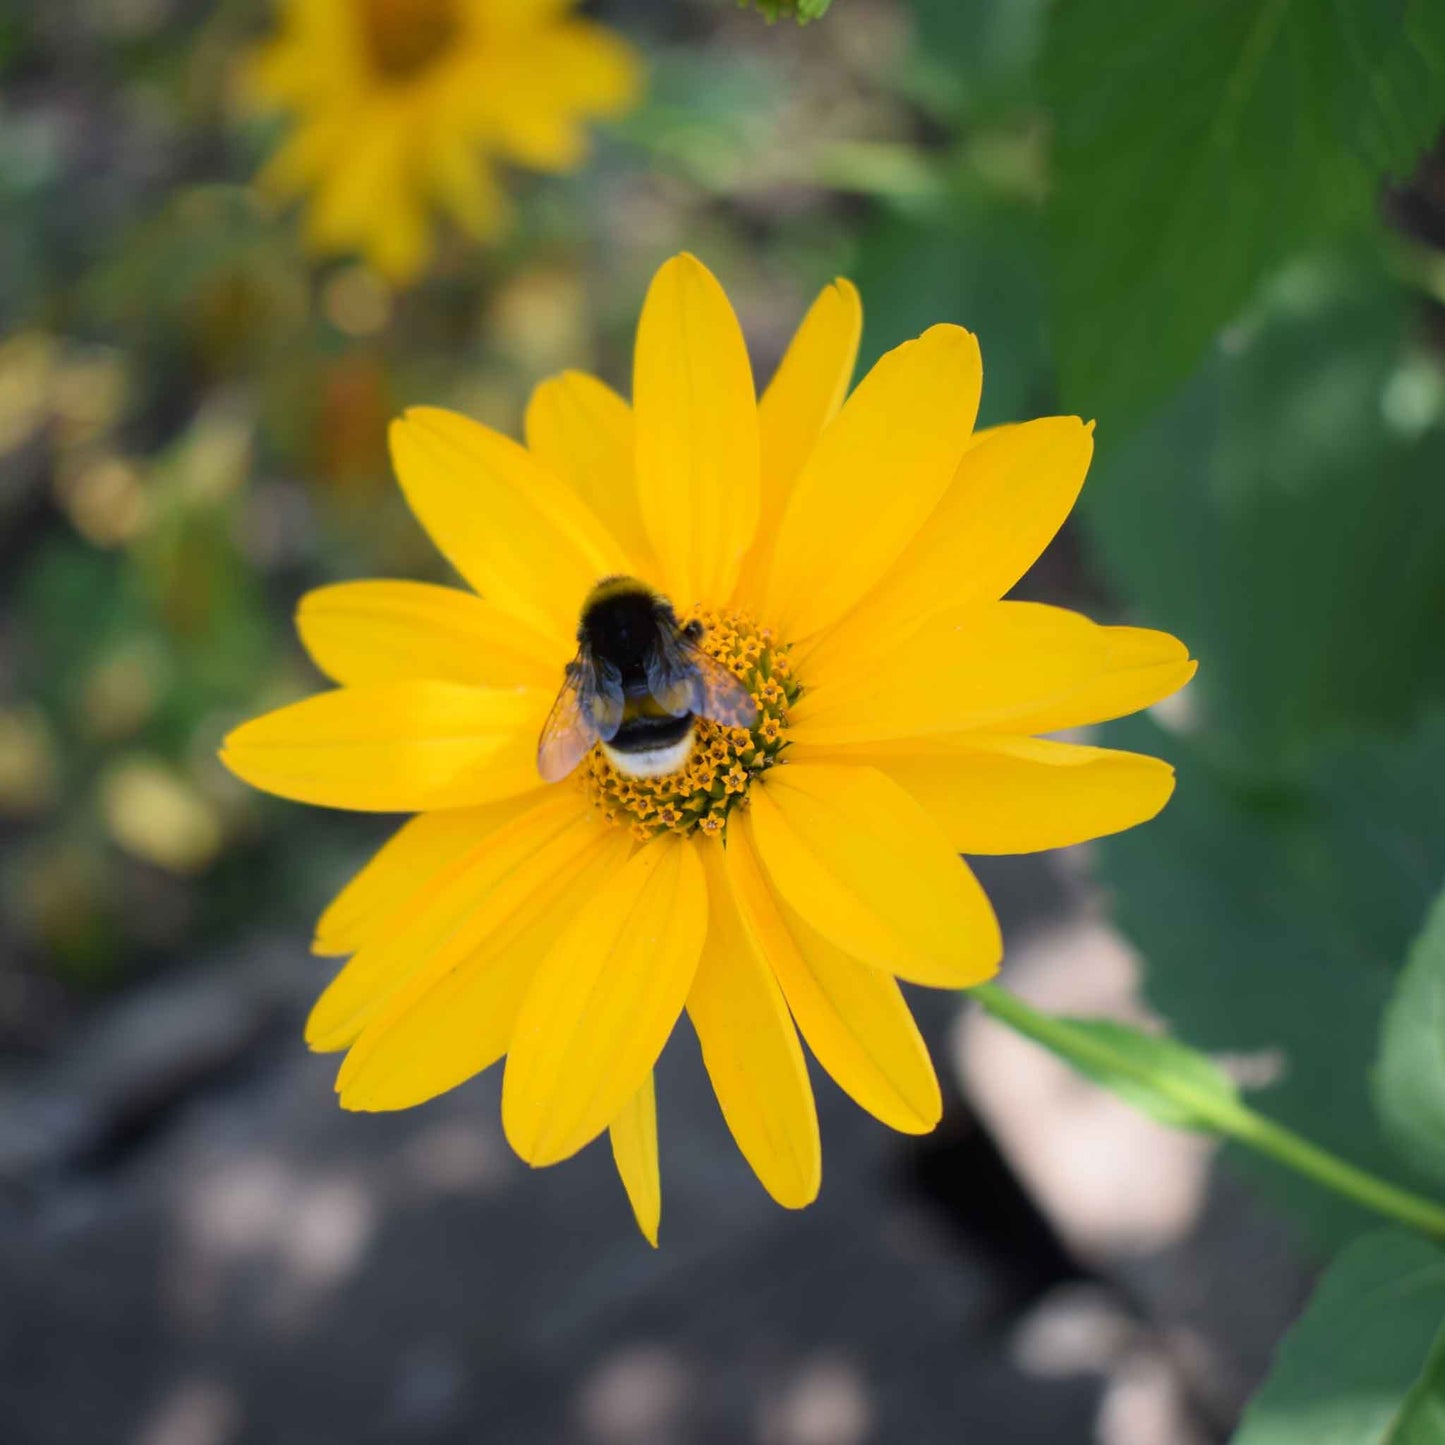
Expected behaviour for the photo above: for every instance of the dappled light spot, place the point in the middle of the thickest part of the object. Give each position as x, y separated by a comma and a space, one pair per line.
456, 1158
195, 1411
827, 1402
1112, 1181
634, 1396
1076, 1329
286, 1239
330, 1226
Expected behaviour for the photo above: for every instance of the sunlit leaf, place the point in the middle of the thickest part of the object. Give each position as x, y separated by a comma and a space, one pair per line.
1165, 1079
1169, 1081
800, 10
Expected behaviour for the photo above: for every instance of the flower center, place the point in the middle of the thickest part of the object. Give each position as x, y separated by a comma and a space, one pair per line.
406, 37
724, 761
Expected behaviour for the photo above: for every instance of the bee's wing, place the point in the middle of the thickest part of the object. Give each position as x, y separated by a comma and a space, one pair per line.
588, 707
725, 698
672, 672
683, 678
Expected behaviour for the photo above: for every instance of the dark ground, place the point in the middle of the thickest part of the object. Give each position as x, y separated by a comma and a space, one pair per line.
197, 1247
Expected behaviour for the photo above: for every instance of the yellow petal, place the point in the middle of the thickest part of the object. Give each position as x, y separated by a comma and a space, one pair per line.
697, 433
582, 431
1140, 668
542, 835
365, 632
343, 211
853, 1016
752, 1053
603, 1002
410, 862
520, 536
594, 67
455, 1014
283, 71
1023, 795
302, 158
401, 747
465, 185
1010, 495
375, 159
973, 668
877, 472
398, 240
540, 86
802, 398
634, 1150
863, 864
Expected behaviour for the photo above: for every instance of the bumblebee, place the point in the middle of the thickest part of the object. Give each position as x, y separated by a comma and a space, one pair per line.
638, 685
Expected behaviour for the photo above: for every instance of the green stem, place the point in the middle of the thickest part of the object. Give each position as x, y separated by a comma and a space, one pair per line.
1226, 1116
1338, 1174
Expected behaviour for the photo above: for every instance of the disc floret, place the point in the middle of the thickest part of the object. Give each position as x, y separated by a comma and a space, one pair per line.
404, 38
724, 761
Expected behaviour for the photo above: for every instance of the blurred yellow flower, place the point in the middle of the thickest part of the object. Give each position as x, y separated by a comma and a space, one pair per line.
401, 108
845, 560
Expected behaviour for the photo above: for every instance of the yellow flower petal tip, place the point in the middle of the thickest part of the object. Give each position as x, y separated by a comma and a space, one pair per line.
762, 649
424, 102
634, 1150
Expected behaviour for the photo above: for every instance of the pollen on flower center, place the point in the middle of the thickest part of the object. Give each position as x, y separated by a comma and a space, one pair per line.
724, 761
406, 37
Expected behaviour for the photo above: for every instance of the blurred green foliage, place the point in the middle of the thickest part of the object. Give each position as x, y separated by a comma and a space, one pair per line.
800, 10
1284, 513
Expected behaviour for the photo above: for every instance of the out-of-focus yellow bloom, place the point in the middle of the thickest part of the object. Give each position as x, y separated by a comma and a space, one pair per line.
156, 814
400, 108
28, 762
844, 556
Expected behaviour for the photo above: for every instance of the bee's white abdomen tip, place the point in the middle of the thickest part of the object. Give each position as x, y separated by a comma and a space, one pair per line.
651, 762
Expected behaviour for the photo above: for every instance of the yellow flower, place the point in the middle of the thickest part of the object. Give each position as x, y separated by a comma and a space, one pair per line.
400, 107
846, 559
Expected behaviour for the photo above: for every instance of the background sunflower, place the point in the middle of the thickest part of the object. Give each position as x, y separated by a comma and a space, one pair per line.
400, 109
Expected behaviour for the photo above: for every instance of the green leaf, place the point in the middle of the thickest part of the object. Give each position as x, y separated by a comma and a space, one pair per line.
1365, 1364
1410, 1074
1169, 1081
1272, 920
1285, 517
1422, 1419
1200, 143
801, 10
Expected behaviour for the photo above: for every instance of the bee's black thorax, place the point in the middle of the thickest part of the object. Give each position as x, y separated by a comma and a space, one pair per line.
620, 624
